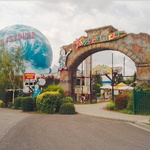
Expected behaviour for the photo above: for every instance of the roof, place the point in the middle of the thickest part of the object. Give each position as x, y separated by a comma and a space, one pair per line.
126, 88
120, 85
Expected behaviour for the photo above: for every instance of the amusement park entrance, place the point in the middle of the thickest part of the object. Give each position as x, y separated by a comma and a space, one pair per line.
135, 46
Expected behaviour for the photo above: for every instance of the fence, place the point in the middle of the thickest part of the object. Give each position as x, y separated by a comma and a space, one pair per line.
141, 103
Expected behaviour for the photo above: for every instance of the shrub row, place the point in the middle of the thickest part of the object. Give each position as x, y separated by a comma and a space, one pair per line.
50, 101
24, 103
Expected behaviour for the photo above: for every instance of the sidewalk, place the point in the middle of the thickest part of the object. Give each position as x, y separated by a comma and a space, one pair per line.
98, 110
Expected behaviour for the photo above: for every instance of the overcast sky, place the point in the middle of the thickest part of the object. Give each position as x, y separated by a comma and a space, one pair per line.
62, 21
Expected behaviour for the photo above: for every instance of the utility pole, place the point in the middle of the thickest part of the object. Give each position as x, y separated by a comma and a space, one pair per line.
124, 66
112, 79
90, 86
90, 79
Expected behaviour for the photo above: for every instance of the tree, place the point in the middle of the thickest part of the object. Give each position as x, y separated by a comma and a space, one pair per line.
134, 77
12, 66
117, 77
129, 80
97, 83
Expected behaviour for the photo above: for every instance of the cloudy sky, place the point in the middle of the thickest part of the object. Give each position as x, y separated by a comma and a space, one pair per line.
62, 21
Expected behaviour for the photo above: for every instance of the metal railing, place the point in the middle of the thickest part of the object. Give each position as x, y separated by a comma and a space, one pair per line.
141, 103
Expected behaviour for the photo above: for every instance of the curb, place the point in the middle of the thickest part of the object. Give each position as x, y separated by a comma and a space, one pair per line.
144, 126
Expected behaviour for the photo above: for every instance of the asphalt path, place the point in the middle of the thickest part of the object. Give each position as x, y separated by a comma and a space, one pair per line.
73, 132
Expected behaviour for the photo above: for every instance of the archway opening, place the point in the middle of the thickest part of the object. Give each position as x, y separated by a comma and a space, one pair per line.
103, 59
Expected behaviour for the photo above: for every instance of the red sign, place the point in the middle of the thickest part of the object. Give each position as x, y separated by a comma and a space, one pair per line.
29, 75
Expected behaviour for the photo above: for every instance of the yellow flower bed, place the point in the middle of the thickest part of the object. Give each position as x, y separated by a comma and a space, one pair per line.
1, 103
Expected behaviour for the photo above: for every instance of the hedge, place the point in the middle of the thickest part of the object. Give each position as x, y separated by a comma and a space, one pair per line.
27, 104
67, 108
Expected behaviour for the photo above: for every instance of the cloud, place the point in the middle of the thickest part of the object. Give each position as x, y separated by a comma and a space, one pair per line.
64, 21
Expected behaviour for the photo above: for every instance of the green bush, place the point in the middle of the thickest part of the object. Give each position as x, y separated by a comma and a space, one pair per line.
144, 87
5, 105
9, 104
27, 104
67, 108
54, 88
1, 103
66, 100
17, 102
130, 100
130, 105
121, 102
62, 101
126, 111
98, 94
8, 97
47, 102
111, 106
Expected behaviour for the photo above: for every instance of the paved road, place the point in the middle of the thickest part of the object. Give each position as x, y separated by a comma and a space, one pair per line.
73, 132
8, 118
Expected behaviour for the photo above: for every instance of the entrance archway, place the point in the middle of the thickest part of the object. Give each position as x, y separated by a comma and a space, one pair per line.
135, 46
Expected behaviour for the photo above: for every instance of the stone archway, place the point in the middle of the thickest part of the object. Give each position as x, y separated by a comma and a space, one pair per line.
135, 46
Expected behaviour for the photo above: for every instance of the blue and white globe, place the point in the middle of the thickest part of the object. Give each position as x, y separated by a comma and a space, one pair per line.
35, 47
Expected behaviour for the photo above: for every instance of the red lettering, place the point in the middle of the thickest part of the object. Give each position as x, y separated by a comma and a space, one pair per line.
114, 35
93, 41
1, 41
10, 38
29, 35
32, 36
19, 36
15, 36
78, 43
7, 40
23, 36
26, 36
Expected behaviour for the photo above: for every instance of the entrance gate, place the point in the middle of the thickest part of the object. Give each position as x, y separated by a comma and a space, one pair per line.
135, 46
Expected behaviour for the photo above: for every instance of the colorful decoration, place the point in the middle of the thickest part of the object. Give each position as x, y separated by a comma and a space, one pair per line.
83, 41
62, 59
33, 83
36, 90
103, 69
